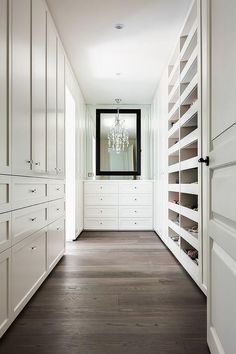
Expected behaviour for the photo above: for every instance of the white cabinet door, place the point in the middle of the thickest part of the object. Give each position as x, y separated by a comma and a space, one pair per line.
39, 86
4, 116
21, 86
55, 242
5, 231
5, 272
51, 97
222, 180
60, 111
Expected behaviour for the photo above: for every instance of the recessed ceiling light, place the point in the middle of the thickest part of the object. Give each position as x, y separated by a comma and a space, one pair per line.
119, 26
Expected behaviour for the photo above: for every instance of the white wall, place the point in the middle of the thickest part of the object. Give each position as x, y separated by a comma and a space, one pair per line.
80, 157
146, 164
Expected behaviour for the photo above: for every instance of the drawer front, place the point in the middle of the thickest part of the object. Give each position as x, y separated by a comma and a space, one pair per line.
5, 231
101, 224
26, 191
136, 187
5, 194
56, 190
55, 242
28, 268
100, 188
5, 274
135, 224
101, 199
135, 212
104, 212
135, 199
27, 221
56, 209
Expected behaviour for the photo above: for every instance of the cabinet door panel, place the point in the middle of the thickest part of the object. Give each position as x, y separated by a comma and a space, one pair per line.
60, 110
4, 117
5, 271
21, 106
51, 97
55, 242
38, 86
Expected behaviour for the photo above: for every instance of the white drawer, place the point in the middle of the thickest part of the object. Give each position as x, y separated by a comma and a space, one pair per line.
101, 224
55, 242
28, 191
27, 221
100, 188
28, 268
135, 224
136, 187
103, 211
5, 231
56, 189
135, 212
5, 193
101, 199
56, 209
135, 199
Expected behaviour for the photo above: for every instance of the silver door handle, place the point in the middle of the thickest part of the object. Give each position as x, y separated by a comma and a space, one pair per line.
33, 190
34, 219
33, 248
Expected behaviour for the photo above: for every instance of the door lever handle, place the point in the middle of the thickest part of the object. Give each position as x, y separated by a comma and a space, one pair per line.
206, 160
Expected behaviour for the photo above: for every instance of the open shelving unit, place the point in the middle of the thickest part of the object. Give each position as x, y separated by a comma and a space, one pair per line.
184, 147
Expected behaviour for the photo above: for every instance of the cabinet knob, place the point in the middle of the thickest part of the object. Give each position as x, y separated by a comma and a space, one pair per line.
58, 189
29, 162
37, 163
34, 219
135, 223
100, 187
58, 228
33, 248
58, 209
135, 198
135, 211
135, 187
33, 190
100, 211
100, 198
100, 222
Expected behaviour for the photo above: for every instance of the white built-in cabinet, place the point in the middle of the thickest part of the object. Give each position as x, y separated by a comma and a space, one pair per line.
32, 145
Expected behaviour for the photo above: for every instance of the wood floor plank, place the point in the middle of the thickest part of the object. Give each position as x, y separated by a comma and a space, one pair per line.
113, 293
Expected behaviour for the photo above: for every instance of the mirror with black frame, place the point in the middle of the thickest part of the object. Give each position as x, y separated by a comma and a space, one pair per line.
118, 142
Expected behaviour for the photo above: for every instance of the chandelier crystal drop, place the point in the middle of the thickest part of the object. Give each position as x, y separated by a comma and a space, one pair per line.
118, 137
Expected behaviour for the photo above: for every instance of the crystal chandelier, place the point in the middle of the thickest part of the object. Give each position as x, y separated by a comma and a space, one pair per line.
118, 137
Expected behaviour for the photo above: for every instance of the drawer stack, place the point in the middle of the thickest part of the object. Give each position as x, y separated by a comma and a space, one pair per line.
118, 205
32, 238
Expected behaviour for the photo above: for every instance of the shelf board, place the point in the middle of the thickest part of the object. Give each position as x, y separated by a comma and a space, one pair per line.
174, 187
190, 67
174, 247
174, 227
187, 96
184, 51
189, 163
174, 149
193, 241
189, 188
190, 266
189, 139
173, 72
174, 131
174, 168
189, 213
188, 116
174, 207
174, 113
174, 93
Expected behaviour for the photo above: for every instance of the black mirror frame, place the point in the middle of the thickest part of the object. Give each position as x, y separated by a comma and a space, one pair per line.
98, 135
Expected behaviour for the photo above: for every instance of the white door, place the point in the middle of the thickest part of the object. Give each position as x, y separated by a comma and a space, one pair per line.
38, 86
222, 179
21, 87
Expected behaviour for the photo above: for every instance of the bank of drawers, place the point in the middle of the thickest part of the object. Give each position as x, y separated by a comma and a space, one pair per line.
118, 205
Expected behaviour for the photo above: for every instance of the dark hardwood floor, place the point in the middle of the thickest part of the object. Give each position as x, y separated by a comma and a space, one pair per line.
113, 293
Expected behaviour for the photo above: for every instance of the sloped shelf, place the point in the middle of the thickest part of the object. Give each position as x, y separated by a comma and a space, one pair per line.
187, 117
174, 227
174, 187
174, 113
174, 149
189, 163
187, 48
174, 72
190, 188
191, 267
174, 131
189, 139
189, 238
190, 68
174, 93
189, 213
174, 247
174, 207
174, 168
188, 96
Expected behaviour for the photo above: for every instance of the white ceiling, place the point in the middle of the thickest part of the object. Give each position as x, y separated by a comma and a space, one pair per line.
97, 51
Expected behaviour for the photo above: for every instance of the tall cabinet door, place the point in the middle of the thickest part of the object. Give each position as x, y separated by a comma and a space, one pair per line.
60, 111
38, 86
4, 116
51, 98
222, 179
21, 86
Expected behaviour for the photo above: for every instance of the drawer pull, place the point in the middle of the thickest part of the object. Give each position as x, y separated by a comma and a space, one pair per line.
135, 187
34, 219
100, 187
135, 223
135, 198
29, 162
100, 198
135, 211
58, 189
33, 190
33, 248
58, 209
58, 229
100, 211
100, 223
37, 163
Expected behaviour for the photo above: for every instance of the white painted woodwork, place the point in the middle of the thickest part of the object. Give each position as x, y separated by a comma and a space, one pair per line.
135, 223
28, 268
38, 86
101, 188
28, 191
222, 178
51, 97
5, 231
21, 86
55, 242
56, 209
5, 291
101, 199
101, 212
5, 193
101, 224
60, 110
140, 188
135, 199
136, 211
4, 109
56, 189
27, 221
